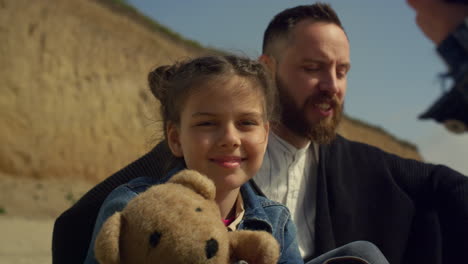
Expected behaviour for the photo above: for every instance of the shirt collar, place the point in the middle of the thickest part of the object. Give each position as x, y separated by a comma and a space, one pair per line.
255, 217
276, 141
239, 209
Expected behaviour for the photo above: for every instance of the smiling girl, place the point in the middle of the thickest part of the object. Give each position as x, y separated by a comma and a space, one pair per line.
216, 113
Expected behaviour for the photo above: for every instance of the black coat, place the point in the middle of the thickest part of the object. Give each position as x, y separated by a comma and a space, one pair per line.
413, 211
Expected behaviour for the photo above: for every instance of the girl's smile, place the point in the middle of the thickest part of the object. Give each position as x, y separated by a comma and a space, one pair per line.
228, 162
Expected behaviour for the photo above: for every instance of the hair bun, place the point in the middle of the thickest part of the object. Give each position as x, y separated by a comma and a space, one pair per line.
159, 79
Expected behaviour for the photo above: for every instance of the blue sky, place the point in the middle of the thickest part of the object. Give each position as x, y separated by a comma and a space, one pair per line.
394, 67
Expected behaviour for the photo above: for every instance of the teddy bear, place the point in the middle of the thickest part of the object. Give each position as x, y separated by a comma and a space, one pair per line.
179, 222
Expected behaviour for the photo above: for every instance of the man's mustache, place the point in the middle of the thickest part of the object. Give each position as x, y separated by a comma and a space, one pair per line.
321, 98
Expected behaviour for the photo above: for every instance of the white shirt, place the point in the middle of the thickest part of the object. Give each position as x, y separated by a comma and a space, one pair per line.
288, 175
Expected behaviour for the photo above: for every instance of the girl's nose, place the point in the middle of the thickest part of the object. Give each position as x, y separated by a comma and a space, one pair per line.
229, 137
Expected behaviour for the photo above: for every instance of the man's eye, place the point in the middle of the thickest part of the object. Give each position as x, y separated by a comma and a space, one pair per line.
342, 71
341, 74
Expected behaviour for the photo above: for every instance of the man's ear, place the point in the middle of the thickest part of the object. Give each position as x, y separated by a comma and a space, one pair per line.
173, 139
270, 62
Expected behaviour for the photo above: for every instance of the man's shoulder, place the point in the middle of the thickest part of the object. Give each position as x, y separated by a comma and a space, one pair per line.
156, 163
154, 160
346, 149
343, 143
343, 152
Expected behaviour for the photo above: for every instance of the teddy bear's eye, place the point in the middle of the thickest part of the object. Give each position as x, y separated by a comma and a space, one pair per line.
198, 209
154, 238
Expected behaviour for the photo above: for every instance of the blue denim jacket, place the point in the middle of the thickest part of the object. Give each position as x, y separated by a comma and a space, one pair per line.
260, 214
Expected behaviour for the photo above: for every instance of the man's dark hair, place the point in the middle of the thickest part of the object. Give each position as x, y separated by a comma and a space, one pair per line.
457, 1
282, 24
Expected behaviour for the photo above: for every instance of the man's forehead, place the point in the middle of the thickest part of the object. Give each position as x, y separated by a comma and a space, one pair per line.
320, 41
317, 32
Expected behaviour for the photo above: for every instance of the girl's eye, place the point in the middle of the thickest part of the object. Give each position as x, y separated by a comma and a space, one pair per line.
205, 123
310, 69
249, 123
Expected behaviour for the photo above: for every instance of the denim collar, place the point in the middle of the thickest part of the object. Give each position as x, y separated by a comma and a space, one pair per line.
255, 217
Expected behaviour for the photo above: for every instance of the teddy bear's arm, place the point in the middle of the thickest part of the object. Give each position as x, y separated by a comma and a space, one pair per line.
107, 242
258, 247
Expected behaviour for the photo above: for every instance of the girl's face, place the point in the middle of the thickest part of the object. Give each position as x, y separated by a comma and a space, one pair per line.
222, 132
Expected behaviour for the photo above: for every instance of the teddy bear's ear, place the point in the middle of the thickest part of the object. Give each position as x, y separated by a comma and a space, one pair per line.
197, 182
106, 247
243, 241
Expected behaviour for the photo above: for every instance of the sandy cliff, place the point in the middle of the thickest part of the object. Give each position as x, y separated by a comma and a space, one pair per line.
74, 100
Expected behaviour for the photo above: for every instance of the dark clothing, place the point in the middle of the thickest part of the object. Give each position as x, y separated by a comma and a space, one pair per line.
451, 108
414, 212
73, 229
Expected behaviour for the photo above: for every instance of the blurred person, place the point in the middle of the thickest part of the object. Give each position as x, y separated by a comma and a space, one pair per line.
445, 22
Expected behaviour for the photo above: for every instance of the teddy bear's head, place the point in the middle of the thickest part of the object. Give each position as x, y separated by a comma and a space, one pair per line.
179, 222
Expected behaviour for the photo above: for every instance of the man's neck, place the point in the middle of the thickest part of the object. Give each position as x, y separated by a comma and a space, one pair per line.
289, 136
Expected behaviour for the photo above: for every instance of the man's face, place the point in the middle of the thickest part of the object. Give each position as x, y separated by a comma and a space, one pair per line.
311, 76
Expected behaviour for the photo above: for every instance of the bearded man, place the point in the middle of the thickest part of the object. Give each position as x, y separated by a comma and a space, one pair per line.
338, 190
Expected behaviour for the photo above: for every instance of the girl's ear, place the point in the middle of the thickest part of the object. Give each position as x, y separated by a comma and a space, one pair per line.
267, 131
173, 139
267, 127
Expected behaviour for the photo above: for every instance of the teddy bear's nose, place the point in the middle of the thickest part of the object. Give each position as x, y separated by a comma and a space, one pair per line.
211, 248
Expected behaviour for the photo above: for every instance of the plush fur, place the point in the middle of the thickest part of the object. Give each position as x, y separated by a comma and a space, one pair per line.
179, 222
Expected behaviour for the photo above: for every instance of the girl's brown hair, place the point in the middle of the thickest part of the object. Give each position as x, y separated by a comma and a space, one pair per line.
172, 84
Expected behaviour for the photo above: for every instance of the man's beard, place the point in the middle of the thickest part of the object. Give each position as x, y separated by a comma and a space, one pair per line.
294, 118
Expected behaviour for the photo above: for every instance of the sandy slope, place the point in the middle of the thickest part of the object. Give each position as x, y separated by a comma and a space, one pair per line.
29, 209
25, 241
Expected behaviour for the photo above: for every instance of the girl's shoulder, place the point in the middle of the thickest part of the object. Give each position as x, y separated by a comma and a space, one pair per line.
265, 202
253, 199
141, 184
274, 209
121, 195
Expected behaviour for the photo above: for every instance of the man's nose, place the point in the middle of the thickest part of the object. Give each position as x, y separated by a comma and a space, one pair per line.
229, 136
329, 83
